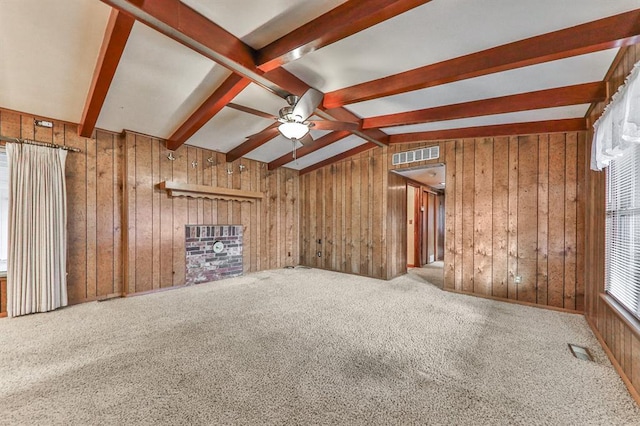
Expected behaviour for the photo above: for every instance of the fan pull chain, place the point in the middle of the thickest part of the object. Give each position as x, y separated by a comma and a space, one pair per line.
293, 141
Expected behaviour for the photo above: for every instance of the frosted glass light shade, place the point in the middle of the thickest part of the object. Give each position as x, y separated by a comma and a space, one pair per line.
293, 130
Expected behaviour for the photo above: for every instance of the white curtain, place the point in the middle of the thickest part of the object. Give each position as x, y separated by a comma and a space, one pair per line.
619, 126
36, 270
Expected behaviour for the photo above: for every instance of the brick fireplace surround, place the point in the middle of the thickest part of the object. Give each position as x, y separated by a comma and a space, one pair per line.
203, 264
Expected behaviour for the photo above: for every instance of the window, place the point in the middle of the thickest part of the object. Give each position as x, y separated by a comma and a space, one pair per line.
622, 261
4, 210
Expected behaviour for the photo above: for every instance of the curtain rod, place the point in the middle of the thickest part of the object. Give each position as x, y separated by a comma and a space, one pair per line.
31, 142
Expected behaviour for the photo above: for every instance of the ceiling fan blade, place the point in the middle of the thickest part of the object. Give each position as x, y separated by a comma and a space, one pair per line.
307, 104
251, 111
306, 139
333, 125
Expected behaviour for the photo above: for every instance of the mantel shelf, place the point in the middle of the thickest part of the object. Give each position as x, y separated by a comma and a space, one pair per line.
176, 189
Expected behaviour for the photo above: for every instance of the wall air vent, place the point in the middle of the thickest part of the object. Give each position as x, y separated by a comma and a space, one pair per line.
430, 153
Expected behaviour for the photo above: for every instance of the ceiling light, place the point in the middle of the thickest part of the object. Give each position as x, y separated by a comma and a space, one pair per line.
293, 130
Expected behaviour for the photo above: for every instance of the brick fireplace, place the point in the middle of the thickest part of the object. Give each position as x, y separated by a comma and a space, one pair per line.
213, 252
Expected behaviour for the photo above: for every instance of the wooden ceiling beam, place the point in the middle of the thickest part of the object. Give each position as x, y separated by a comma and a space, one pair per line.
186, 26
319, 143
614, 31
529, 128
113, 43
357, 150
339, 23
562, 96
253, 142
181, 23
224, 94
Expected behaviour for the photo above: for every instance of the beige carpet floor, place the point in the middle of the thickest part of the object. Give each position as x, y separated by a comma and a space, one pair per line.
306, 346
432, 273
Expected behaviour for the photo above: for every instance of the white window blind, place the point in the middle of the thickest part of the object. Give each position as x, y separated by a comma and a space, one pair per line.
622, 261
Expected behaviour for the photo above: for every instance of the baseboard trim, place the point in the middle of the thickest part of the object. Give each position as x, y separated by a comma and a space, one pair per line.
155, 290
616, 365
516, 302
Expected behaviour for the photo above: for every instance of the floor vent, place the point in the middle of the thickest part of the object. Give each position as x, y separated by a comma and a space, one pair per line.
580, 352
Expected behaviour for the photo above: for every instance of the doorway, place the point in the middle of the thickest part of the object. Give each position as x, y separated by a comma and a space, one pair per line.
425, 224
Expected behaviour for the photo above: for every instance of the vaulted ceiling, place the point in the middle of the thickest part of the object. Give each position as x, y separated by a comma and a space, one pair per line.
405, 71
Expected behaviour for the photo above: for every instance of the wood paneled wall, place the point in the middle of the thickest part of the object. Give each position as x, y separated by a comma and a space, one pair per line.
156, 233
515, 207
344, 216
94, 201
619, 333
127, 236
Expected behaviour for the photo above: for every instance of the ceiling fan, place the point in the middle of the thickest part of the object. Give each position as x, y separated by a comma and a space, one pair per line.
294, 123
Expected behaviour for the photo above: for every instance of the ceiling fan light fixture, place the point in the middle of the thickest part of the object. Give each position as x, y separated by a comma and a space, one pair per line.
293, 130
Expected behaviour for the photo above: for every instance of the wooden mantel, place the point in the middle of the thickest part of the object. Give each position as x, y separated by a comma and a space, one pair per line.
176, 189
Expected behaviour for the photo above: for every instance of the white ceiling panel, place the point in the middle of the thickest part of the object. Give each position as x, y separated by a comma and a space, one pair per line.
573, 111
259, 22
257, 97
564, 72
48, 51
158, 84
339, 147
441, 30
273, 149
228, 129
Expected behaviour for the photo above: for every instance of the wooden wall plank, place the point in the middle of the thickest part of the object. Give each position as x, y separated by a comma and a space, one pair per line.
355, 215
384, 161
512, 242
91, 184
130, 219
556, 219
156, 148
543, 219
329, 216
27, 127
580, 221
144, 214
245, 218
377, 214
364, 218
118, 184
105, 213
527, 217
252, 218
349, 212
166, 222
483, 216
500, 218
458, 215
10, 126
192, 178
370, 213
76, 177
570, 220
468, 199
449, 209
180, 217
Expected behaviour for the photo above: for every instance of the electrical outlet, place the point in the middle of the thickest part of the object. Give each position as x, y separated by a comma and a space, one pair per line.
319, 254
518, 279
